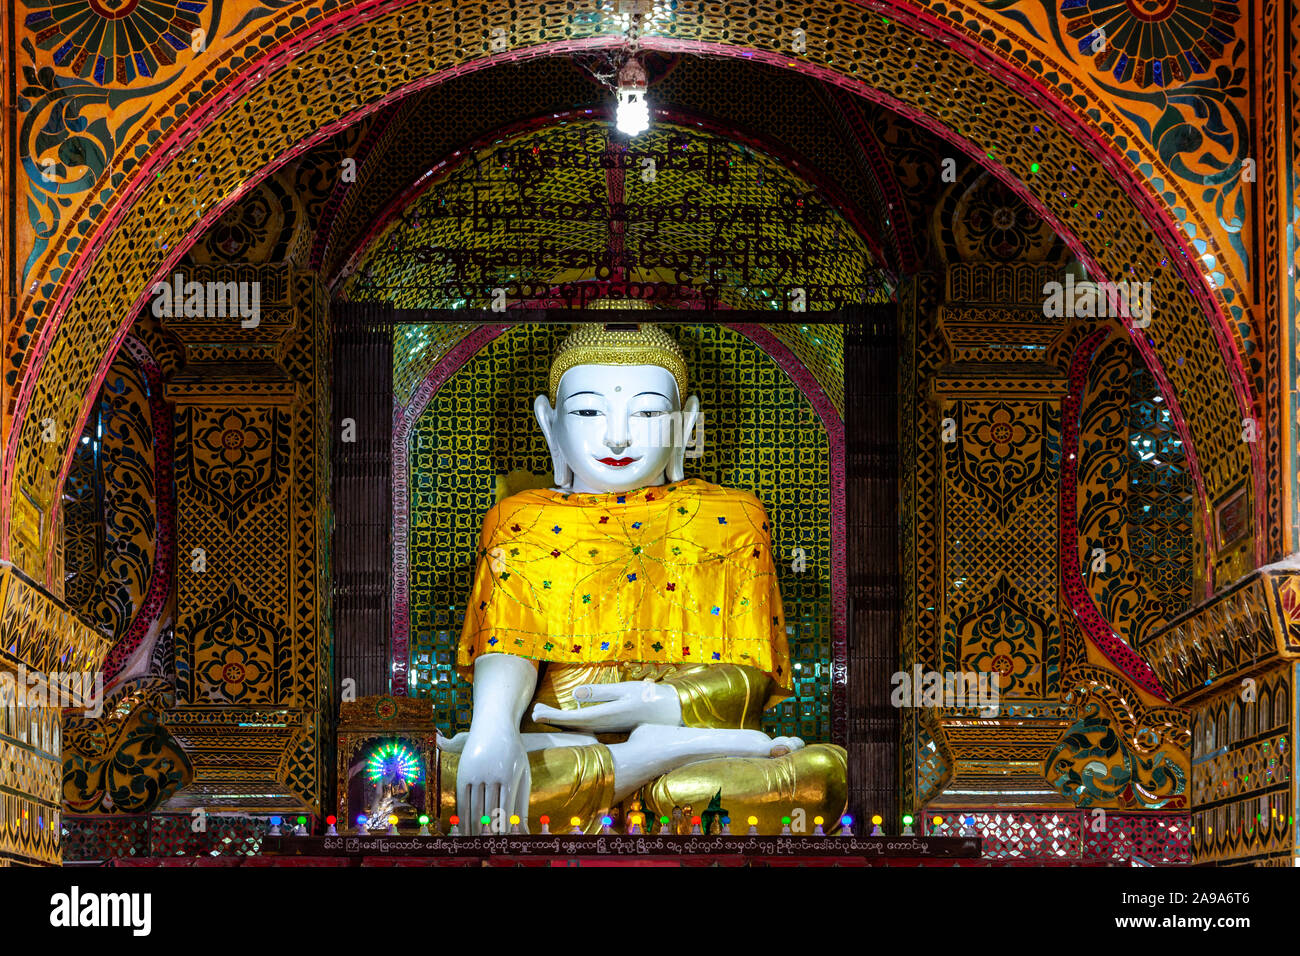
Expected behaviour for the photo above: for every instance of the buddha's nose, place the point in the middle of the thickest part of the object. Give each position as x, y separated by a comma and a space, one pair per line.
616, 436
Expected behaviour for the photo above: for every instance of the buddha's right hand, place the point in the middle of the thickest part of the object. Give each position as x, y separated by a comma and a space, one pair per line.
492, 778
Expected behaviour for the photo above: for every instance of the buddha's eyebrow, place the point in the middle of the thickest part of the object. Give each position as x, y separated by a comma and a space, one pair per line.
576, 394
659, 394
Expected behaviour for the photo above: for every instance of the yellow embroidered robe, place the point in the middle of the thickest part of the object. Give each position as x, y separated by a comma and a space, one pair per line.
675, 574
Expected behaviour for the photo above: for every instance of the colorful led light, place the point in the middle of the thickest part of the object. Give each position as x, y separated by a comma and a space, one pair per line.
394, 763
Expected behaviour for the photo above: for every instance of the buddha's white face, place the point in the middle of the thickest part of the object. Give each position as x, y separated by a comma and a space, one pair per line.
615, 427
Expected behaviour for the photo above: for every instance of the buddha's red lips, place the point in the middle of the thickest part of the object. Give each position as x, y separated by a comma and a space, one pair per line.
616, 462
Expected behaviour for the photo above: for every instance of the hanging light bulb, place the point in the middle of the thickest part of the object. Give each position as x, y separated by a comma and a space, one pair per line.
633, 113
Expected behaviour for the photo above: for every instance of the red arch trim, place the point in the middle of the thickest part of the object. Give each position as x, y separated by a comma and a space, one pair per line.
323, 238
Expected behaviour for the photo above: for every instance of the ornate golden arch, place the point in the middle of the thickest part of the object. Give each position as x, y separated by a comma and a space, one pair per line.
289, 92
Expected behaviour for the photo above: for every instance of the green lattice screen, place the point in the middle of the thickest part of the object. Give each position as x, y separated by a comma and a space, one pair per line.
761, 433
1160, 498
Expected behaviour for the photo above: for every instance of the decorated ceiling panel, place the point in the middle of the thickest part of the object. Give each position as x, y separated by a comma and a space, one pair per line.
575, 203
825, 138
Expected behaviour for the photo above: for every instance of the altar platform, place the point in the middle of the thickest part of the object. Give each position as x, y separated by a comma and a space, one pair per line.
594, 850
1024, 838
736, 849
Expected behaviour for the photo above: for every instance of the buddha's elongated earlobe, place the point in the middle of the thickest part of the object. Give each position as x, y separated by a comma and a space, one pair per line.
545, 414
690, 415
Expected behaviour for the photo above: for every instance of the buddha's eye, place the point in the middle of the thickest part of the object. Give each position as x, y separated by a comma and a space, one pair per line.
585, 412
650, 413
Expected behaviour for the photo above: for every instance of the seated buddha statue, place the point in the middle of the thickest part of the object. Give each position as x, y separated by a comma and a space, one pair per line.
625, 633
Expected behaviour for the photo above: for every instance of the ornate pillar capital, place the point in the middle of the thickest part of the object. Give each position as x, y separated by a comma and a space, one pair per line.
234, 323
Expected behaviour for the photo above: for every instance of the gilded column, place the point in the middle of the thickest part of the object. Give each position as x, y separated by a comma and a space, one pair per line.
251, 638
997, 413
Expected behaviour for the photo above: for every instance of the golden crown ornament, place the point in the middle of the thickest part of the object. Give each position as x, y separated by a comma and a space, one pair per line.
619, 344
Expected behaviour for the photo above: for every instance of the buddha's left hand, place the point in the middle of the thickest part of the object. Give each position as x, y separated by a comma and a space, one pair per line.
622, 706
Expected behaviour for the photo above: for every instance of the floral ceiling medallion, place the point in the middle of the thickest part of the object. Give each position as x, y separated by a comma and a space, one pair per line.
1152, 42
114, 41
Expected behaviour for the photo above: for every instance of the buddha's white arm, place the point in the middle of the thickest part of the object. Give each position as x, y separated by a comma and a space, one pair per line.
503, 686
493, 771
532, 741
624, 706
